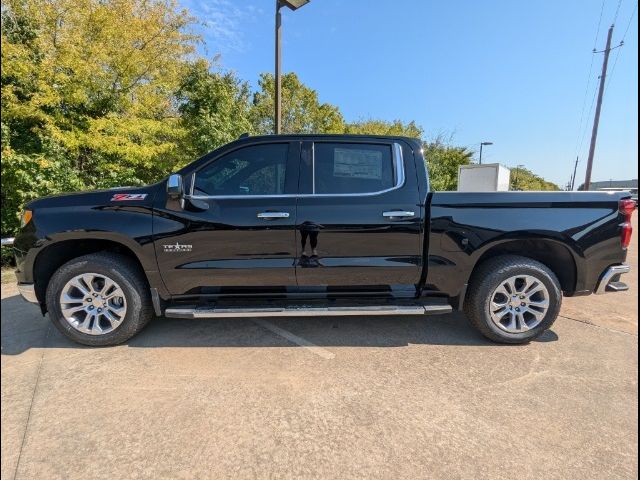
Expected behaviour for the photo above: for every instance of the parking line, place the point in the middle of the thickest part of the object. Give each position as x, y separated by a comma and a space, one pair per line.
312, 347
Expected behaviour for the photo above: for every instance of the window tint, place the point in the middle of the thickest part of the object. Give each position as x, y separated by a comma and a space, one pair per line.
254, 170
352, 168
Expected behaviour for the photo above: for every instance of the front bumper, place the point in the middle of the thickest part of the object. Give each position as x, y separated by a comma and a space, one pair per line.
610, 280
28, 292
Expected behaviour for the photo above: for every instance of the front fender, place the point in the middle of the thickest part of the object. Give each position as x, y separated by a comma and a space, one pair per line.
127, 225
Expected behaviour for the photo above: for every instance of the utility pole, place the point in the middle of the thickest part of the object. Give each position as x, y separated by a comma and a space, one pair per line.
596, 120
573, 177
278, 81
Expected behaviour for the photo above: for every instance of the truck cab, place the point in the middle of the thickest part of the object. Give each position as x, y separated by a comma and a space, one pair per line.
297, 215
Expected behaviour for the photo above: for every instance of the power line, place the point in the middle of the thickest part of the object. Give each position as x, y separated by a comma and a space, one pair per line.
624, 35
613, 69
581, 132
633, 14
615, 17
593, 102
582, 137
595, 41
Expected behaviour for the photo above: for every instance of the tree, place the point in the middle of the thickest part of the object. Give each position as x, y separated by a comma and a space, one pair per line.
443, 162
88, 95
302, 111
524, 179
214, 109
382, 127
97, 77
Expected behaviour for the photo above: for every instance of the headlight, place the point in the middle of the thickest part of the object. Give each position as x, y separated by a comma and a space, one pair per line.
26, 217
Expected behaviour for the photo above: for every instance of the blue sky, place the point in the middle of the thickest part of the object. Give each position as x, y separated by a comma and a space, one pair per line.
514, 73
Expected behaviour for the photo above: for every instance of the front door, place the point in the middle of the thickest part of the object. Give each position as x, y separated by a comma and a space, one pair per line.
236, 232
358, 220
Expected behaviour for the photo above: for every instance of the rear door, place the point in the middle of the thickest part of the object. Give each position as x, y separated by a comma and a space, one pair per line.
358, 218
236, 232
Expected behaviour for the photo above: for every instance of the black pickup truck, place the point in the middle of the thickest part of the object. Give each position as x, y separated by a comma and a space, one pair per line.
318, 225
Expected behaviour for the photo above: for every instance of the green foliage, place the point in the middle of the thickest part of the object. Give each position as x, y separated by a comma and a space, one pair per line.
443, 162
7, 257
97, 77
302, 111
25, 177
88, 95
382, 127
214, 109
524, 179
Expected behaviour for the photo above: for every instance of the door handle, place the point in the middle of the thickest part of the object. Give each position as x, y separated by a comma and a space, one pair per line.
273, 215
398, 214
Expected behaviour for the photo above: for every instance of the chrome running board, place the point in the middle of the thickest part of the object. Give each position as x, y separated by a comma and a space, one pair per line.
302, 311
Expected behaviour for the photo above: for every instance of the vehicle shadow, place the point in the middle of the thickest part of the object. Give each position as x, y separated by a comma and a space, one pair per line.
23, 328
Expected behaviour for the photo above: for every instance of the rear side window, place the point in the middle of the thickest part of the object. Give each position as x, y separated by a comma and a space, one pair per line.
341, 168
253, 170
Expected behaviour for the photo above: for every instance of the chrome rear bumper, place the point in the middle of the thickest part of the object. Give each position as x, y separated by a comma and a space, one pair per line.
609, 281
28, 292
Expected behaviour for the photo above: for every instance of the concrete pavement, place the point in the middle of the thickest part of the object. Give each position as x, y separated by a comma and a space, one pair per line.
323, 398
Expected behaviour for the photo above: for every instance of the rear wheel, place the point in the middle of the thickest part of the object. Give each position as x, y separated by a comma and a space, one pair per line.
99, 299
513, 299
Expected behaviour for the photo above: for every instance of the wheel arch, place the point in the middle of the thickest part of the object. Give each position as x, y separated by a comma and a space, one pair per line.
53, 256
552, 253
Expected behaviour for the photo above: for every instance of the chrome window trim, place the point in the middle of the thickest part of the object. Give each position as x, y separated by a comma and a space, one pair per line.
398, 167
313, 168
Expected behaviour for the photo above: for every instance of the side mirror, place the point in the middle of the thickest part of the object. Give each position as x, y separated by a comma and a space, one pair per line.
174, 187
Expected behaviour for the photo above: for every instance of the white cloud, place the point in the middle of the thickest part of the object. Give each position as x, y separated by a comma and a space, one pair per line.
222, 22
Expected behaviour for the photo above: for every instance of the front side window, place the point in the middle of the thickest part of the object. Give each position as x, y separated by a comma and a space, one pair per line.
342, 168
253, 170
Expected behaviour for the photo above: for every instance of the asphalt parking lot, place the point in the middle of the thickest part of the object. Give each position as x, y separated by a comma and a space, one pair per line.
324, 398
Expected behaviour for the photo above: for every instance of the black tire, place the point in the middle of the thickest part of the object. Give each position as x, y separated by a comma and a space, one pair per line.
489, 276
130, 279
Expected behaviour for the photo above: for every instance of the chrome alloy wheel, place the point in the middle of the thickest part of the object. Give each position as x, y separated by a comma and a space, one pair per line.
93, 303
519, 304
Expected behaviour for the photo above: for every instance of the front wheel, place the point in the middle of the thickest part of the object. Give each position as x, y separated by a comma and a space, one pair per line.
99, 299
513, 299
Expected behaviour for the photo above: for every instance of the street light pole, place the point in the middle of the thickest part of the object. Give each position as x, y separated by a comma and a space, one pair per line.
481, 145
293, 5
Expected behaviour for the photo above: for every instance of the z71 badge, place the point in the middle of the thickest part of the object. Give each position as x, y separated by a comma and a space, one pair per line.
121, 197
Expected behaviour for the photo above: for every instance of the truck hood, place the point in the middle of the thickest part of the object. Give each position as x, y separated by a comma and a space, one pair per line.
109, 196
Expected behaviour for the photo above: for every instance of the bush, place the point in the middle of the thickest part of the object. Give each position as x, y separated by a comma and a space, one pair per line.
26, 177
6, 256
